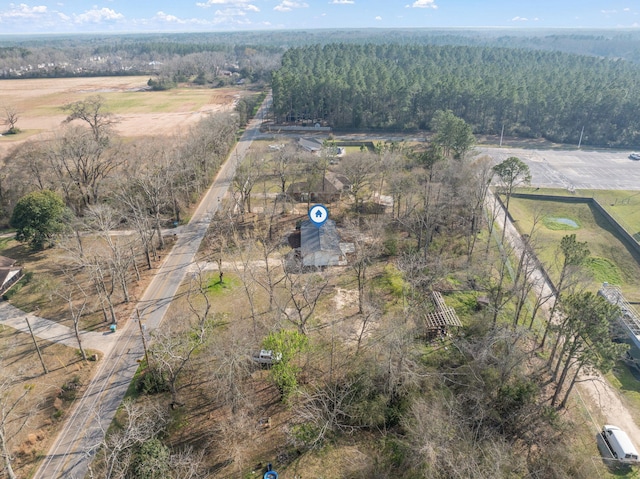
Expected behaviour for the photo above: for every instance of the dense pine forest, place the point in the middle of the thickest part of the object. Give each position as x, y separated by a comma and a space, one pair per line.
533, 93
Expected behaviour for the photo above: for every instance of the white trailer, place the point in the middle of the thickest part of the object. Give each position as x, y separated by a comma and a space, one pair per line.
619, 444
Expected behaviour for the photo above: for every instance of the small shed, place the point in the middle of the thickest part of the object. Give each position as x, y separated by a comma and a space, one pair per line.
320, 246
312, 145
439, 322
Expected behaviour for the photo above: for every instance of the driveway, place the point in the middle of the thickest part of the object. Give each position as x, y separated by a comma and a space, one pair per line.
54, 331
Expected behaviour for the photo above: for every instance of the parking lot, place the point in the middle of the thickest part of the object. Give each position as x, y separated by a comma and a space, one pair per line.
577, 169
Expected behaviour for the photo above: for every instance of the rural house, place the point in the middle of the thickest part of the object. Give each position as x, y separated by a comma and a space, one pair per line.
320, 246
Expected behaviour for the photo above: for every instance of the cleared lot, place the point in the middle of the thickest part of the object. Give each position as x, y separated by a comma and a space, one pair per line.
139, 112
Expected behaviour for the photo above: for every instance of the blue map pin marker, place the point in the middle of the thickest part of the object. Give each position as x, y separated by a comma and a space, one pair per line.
318, 214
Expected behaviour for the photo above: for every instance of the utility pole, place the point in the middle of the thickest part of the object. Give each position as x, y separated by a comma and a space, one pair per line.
501, 134
44, 367
581, 133
144, 341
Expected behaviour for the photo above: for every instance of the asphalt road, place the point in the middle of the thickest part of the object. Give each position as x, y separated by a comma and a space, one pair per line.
75, 446
575, 169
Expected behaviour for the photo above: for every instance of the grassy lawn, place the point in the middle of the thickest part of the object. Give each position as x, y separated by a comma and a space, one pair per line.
179, 99
610, 261
623, 205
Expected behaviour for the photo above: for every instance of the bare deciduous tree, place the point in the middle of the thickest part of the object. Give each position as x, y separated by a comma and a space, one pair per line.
359, 169
92, 110
247, 175
231, 369
174, 345
72, 292
284, 165
139, 423
11, 117
83, 163
103, 220
303, 292
12, 418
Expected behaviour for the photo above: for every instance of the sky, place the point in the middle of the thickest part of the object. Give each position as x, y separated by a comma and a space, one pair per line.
79, 16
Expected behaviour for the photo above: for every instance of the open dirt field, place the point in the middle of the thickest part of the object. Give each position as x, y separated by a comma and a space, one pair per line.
139, 112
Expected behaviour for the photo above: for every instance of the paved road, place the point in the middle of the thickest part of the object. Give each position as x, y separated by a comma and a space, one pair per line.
70, 455
578, 169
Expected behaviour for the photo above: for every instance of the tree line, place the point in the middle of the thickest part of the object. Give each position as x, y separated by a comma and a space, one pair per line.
530, 93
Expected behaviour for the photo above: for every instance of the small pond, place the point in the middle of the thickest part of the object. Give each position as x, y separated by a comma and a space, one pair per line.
561, 223
565, 221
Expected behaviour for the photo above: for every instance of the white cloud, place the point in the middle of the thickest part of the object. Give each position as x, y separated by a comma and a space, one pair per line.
164, 17
98, 15
230, 11
288, 5
519, 19
239, 4
341, 2
607, 12
378, 18
423, 4
23, 11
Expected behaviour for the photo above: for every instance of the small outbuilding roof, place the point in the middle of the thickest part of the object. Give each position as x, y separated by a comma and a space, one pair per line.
310, 144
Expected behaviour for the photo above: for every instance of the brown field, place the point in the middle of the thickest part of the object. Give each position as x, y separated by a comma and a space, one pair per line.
139, 112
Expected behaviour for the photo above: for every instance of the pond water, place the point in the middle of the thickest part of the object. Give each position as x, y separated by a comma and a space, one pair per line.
565, 221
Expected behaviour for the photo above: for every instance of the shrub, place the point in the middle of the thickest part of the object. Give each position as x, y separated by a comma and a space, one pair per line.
69, 390
152, 381
150, 461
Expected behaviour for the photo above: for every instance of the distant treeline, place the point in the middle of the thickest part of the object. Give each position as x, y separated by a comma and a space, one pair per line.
533, 93
172, 58
28, 56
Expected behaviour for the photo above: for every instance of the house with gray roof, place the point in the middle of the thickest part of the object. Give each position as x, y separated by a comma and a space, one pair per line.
320, 246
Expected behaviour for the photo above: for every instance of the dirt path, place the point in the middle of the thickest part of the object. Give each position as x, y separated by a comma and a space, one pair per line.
610, 405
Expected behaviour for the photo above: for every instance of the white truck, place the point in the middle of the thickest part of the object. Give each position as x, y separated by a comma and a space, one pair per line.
266, 356
619, 444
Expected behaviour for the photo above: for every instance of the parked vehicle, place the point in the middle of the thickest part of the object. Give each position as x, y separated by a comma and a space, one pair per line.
266, 356
634, 156
619, 444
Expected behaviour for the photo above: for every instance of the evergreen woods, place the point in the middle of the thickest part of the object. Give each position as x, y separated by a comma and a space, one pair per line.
533, 93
